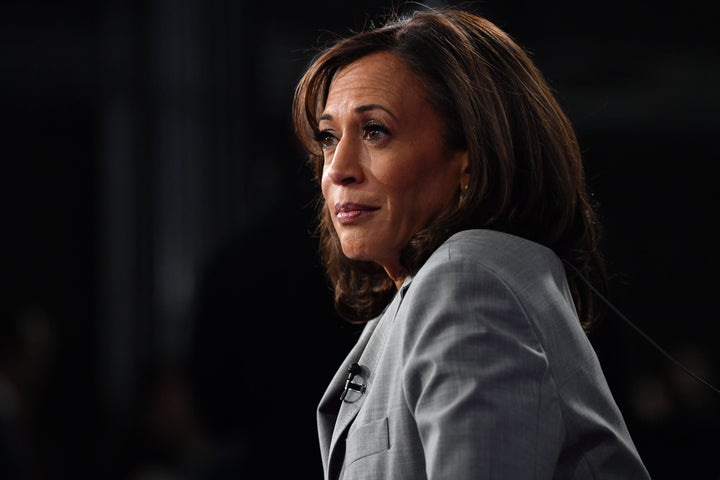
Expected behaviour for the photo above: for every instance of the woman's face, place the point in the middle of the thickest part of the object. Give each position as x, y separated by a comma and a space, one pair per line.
387, 171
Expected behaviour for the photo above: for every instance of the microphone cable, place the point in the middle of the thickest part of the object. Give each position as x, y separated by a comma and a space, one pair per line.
640, 332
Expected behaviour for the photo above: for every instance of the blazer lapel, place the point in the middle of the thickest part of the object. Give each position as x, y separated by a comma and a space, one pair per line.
329, 406
334, 415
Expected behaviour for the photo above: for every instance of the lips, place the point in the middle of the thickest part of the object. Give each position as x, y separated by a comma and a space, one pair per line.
349, 212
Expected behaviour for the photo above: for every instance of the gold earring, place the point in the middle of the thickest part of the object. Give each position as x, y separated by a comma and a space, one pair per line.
463, 192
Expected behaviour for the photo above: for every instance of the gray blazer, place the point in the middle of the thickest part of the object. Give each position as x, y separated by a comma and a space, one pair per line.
477, 369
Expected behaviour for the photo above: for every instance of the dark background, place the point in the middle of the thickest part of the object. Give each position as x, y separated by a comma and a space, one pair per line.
163, 315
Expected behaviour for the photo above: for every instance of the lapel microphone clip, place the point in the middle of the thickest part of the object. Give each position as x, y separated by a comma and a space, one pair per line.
353, 370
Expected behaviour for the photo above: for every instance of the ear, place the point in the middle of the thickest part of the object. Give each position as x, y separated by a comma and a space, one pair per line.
464, 169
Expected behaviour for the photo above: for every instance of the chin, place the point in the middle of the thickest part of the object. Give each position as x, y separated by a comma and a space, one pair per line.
355, 253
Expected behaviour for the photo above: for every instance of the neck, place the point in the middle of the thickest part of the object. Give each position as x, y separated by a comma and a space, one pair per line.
398, 277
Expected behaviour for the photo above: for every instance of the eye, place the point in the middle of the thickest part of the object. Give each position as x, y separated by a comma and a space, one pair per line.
375, 132
324, 138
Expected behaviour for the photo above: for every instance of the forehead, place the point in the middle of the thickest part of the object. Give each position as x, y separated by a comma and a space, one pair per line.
380, 77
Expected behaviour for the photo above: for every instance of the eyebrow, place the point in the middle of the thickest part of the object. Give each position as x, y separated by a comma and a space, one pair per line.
361, 109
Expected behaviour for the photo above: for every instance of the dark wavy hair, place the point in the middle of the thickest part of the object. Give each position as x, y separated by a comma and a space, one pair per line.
526, 171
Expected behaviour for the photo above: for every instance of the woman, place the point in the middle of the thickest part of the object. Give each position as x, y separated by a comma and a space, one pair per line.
455, 224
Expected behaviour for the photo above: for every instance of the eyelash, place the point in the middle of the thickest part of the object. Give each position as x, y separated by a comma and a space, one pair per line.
323, 137
376, 127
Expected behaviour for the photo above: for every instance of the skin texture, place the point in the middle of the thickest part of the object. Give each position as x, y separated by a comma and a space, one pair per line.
387, 170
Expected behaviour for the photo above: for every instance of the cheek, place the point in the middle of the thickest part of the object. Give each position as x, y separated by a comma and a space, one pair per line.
428, 192
426, 177
324, 184
397, 176
329, 197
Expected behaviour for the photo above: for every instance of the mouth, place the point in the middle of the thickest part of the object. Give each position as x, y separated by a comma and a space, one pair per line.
351, 212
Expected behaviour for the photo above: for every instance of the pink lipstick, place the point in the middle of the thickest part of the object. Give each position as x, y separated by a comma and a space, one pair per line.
350, 212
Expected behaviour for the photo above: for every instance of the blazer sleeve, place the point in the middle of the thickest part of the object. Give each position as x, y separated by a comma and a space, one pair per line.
477, 374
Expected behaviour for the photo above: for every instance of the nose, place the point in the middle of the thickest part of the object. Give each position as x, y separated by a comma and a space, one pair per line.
345, 166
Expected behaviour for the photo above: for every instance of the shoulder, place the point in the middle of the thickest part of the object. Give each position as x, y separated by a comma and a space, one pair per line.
485, 270
509, 257
507, 289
